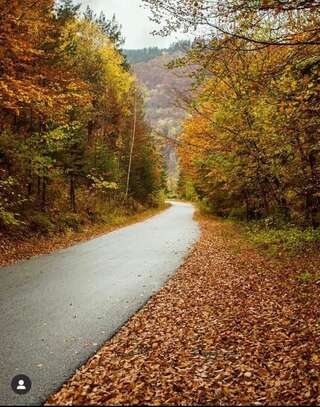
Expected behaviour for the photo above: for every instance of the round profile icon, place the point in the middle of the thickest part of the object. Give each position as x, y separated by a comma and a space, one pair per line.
21, 384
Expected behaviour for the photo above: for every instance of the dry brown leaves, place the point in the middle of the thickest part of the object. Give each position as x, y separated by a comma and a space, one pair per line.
229, 328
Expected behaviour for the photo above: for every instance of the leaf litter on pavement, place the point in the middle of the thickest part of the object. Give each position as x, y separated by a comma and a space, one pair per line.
230, 327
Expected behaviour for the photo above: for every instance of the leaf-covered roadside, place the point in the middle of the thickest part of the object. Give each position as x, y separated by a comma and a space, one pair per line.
229, 328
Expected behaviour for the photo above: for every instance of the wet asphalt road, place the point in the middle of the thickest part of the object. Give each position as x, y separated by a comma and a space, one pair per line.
57, 310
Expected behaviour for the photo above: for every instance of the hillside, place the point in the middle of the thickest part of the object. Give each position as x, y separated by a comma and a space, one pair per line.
135, 56
161, 87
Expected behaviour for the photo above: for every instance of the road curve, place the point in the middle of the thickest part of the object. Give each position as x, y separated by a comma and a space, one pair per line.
57, 310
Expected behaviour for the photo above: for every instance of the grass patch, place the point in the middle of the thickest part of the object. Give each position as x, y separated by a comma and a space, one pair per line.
288, 239
271, 238
307, 277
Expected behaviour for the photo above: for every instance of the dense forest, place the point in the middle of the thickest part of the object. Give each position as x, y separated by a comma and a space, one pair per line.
71, 114
135, 56
250, 146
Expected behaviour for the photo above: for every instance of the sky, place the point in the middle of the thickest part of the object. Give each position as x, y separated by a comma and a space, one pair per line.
136, 26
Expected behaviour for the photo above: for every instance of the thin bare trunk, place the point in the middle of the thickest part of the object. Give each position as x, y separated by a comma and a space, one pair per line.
72, 194
132, 144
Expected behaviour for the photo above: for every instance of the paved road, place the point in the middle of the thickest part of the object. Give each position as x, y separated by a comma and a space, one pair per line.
57, 310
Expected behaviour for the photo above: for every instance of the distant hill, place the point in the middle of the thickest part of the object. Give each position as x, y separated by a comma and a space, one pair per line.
135, 56
161, 87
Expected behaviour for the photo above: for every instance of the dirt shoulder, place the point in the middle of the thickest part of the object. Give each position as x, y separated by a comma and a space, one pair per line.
229, 328
13, 250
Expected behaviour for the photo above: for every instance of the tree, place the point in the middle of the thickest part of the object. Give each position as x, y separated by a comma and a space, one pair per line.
67, 10
23, 31
293, 22
111, 28
251, 142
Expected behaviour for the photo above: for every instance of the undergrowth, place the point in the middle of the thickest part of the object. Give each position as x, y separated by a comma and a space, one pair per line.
273, 236
290, 239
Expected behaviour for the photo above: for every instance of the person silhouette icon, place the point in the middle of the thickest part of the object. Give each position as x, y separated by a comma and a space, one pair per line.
21, 385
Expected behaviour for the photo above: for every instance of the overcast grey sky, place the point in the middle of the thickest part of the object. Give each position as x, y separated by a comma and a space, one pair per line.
136, 26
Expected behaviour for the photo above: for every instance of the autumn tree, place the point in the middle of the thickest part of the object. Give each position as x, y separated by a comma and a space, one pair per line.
259, 23
251, 142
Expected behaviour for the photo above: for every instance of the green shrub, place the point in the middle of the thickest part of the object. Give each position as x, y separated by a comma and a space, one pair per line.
114, 215
115, 219
155, 200
190, 193
10, 202
69, 220
291, 239
8, 218
161, 198
307, 277
41, 223
205, 206
238, 214
304, 277
172, 195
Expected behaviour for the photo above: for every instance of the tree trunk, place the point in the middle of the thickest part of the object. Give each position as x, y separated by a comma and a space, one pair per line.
29, 190
44, 194
38, 189
89, 130
72, 194
30, 181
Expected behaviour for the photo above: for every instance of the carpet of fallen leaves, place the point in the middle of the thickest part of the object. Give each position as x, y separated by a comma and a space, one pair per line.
23, 247
231, 327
